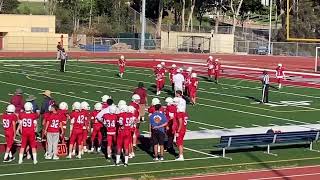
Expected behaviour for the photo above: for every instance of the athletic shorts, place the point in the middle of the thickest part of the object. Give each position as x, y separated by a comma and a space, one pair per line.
157, 137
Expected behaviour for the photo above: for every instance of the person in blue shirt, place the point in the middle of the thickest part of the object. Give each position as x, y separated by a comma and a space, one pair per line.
158, 122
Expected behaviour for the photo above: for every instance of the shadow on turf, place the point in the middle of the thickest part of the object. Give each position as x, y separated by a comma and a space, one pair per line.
253, 98
255, 158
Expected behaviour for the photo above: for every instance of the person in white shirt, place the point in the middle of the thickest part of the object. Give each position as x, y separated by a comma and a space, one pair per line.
178, 81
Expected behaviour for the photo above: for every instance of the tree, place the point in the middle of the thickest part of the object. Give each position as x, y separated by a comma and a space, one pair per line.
8, 6
192, 2
51, 6
249, 7
183, 23
235, 6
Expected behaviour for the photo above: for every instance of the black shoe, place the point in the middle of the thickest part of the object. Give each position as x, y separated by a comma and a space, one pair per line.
12, 159
125, 165
6, 160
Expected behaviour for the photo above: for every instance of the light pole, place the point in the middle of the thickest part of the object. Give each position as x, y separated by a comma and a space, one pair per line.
270, 27
143, 25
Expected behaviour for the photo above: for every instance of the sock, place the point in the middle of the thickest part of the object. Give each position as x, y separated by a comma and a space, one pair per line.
10, 154
126, 158
6, 156
20, 157
34, 156
279, 86
117, 159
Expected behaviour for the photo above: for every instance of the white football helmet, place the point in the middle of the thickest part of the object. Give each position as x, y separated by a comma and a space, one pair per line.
11, 108
123, 108
173, 65
159, 66
169, 100
194, 75
176, 100
98, 107
28, 106
63, 106
163, 63
135, 97
217, 60
85, 106
105, 98
112, 109
131, 109
122, 57
280, 65
210, 57
122, 102
189, 69
155, 101
76, 106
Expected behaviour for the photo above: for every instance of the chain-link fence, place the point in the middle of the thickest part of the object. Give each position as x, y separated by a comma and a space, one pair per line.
277, 48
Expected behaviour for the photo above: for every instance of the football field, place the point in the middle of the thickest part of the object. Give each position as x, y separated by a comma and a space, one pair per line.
231, 104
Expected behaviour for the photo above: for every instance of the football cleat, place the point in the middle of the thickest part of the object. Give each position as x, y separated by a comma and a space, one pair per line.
161, 159
125, 165
156, 159
20, 161
35, 162
56, 158
69, 156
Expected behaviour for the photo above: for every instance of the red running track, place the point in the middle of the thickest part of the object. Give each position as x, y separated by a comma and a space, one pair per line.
297, 173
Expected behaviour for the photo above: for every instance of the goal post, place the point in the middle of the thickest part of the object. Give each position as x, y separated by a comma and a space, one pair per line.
317, 58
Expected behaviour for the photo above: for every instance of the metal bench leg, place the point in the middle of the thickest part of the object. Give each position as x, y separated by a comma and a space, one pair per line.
268, 151
224, 154
311, 148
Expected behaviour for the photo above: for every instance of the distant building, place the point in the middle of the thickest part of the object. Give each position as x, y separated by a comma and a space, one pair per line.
29, 33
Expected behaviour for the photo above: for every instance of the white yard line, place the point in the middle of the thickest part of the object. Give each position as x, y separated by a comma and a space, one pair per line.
99, 166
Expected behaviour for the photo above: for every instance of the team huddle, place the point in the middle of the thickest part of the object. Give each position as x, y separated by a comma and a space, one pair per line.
120, 123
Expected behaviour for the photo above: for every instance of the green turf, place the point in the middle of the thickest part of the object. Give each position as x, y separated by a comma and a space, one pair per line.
227, 105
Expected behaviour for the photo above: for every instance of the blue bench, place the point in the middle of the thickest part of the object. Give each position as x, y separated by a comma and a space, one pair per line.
267, 140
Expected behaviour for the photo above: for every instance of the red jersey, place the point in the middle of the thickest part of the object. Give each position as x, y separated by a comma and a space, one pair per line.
162, 71
105, 105
194, 83
125, 122
157, 70
28, 122
171, 112
152, 110
94, 120
87, 113
121, 62
132, 119
159, 77
110, 121
64, 116
185, 74
7, 121
217, 66
172, 72
54, 122
210, 62
142, 92
78, 119
136, 106
279, 72
187, 80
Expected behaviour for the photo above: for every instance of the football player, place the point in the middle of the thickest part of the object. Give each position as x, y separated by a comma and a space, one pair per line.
124, 134
85, 108
130, 115
135, 104
157, 69
77, 125
96, 127
171, 112
187, 81
63, 111
217, 69
182, 123
110, 120
122, 64
193, 88
28, 123
210, 65
280, 75
159, 82
172, 72
152, 109
9, 119
104, 101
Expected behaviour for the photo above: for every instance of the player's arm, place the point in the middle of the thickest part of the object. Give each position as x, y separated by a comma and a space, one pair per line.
71, 124
61, 127
14, 129
46, 128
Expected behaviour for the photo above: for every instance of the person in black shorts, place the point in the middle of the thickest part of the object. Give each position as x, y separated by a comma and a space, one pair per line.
158, 122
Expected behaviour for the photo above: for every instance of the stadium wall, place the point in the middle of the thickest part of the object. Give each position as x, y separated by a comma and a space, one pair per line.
216, 43
29, 33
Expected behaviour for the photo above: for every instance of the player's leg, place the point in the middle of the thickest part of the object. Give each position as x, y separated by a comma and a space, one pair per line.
267, 94
109, 145
99, 140
161, 144
33, 145
279, 83
55, 141
84, 141
9, 142
180, 145
126, 142
158, 85
24, 142
79, 142
72, 140
50, 149
119, 147
93, 136
155, 141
